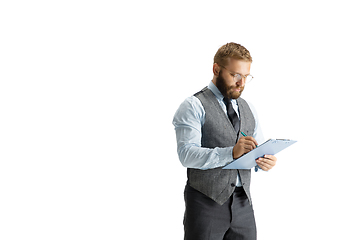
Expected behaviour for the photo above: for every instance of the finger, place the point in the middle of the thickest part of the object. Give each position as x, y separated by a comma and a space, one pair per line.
250, 143
249, 146
270, 159
247, 138
265, 162
264, 166
252, 140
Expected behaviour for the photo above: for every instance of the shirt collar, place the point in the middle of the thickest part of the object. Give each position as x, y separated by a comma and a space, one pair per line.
215, 91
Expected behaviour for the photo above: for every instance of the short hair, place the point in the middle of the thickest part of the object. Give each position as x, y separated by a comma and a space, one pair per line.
231, 50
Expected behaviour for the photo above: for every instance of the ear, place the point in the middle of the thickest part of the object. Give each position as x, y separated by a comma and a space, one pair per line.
216, 69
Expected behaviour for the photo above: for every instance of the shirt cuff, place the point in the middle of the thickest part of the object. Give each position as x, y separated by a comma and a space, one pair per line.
225, 155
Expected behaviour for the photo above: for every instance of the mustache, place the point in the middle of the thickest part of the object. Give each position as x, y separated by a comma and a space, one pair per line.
241, 88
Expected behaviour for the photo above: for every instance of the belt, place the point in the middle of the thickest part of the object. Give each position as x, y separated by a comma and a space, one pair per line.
239, 189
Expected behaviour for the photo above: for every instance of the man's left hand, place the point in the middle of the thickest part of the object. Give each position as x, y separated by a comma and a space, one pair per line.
267, 162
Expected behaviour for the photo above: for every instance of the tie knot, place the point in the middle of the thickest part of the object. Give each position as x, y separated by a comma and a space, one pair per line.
227, 101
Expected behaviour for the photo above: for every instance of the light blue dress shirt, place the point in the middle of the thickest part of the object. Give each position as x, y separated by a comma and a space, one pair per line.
188, 121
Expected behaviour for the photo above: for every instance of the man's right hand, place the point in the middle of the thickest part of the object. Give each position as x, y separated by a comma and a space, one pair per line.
244, 145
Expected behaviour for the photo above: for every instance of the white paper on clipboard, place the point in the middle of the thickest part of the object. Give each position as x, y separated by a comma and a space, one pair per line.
270, 147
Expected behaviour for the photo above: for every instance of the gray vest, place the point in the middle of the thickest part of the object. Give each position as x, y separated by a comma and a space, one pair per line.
217, 131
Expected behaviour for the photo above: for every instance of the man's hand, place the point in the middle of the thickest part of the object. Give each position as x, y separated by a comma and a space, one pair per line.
244, 145
267, 162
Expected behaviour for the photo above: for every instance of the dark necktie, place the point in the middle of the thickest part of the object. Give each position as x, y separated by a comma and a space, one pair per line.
234, 119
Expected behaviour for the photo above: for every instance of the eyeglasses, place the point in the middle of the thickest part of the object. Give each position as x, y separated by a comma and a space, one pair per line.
237, 77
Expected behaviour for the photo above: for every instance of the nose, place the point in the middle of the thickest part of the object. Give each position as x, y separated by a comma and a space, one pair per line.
241, 83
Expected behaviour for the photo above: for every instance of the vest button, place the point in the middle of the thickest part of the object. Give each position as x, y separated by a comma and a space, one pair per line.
233, 185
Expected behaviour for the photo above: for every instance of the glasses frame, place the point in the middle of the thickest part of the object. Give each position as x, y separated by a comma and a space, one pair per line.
235, 76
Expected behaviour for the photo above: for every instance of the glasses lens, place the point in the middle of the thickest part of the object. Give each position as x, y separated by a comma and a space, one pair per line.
237, 78
249, 78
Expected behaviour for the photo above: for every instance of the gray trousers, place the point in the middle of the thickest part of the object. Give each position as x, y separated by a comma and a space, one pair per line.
204, 219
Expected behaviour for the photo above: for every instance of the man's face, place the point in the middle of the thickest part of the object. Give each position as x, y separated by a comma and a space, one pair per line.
225, 80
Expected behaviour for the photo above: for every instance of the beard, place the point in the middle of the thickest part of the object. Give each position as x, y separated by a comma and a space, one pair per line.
227, 91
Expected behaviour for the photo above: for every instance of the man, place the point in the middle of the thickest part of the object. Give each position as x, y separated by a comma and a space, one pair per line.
208, 130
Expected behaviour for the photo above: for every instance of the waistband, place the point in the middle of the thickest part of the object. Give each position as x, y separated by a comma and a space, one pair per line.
239, 189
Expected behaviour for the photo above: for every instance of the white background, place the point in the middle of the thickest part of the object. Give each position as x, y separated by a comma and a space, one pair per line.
89, 88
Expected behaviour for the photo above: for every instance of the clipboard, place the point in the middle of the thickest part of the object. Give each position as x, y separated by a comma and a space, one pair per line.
270, 147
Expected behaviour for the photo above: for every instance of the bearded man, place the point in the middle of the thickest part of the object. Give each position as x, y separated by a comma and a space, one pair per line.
208, 126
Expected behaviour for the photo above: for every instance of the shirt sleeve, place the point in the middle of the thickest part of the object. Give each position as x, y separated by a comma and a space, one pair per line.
188, 121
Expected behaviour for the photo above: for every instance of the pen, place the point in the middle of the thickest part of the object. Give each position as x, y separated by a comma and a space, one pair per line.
257, 166
245, 136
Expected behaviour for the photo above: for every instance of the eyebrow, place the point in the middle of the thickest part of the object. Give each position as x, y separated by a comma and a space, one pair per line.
239, 73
